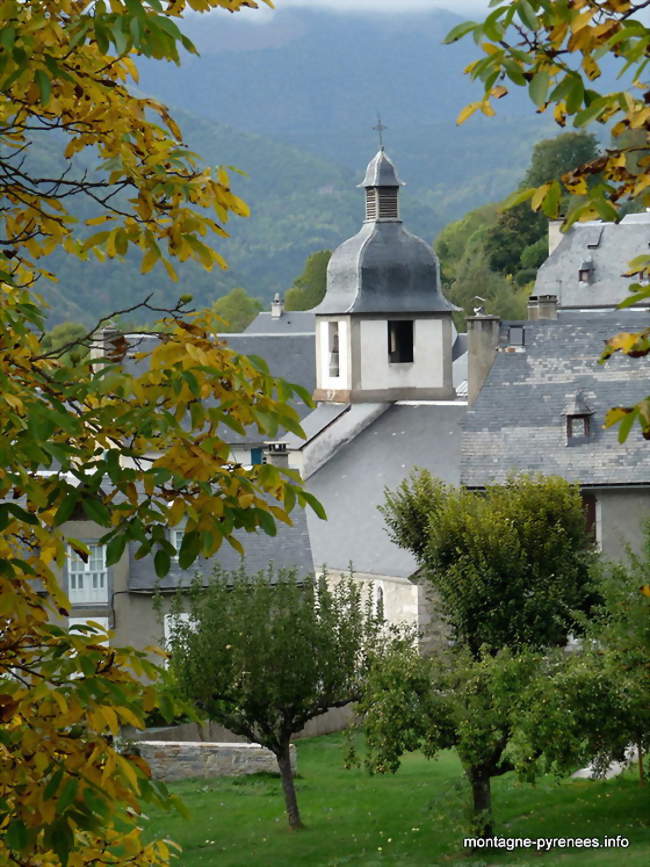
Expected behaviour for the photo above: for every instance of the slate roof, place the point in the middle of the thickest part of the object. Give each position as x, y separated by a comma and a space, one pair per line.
291, 322
519, 424
290, 356
383, 269
351, 484
381, 172
290, 548
608, 248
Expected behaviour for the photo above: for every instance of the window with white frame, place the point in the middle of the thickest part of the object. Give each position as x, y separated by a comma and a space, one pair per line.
176, 538
88, 581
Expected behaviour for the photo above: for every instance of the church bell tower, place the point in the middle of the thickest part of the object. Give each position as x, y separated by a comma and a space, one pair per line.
384, 328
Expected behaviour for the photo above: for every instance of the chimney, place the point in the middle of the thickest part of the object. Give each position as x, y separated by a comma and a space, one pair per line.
546, 307
276, 453
482, 342
277, 308
533, 307
108, 343
554, 234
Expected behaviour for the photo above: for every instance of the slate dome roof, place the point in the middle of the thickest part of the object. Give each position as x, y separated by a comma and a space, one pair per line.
383, 268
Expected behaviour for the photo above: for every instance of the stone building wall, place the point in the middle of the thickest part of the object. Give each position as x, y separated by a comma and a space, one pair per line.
176, 760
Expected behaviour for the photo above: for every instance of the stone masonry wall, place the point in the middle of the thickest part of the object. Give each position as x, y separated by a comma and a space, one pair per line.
176, 760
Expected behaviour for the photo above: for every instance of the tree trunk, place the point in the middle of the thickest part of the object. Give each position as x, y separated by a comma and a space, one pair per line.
640, 760
482, 802
284, 763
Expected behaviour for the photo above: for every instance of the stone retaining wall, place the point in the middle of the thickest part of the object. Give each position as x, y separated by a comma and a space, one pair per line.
177, 760
334, 720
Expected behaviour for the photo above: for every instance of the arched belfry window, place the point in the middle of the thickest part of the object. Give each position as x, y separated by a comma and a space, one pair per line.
400, 341
333, 349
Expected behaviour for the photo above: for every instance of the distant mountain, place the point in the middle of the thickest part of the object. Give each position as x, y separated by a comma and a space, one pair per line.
299, 202
315, 79
299, 93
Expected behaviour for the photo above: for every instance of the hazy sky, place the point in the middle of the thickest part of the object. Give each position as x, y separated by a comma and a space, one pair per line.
462, 7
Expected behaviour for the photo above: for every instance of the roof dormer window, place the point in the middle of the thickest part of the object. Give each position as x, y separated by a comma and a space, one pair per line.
578, 416
586, 271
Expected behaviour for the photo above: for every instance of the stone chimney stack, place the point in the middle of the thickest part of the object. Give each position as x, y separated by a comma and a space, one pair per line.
547, 306
276, 453
542, 307
107, 343
482, 342
554, 234
277, 307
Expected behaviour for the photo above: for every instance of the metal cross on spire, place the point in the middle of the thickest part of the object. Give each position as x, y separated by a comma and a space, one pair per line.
380, 129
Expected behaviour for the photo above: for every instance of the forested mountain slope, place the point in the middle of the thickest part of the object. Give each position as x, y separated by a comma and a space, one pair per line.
291, 102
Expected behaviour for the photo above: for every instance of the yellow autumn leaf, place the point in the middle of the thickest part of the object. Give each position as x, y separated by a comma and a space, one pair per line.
467, 112
538, 196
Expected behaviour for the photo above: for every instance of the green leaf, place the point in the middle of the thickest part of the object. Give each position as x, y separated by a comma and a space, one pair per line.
17, 835
552, 200
162, 562
258, 363
626, 425
190, 549
62, 840
538, 87
591, 112
96, 511
606, 211
517, 198
67, 795
66, 509
266, 522
20, 513
459, 31
53, 784
527, 15
310, 500
115, 549
44, 85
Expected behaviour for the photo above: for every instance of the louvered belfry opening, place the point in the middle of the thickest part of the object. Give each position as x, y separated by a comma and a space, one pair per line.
387, 200
371, 204
382, 203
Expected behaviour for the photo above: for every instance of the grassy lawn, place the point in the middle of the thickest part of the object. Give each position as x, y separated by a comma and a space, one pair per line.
415, 817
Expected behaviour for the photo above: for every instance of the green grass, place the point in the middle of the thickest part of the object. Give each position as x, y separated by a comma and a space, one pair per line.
416, 817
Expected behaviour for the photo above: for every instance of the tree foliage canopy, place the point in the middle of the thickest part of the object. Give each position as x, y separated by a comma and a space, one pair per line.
264, 654
237, 309
308, 289
497, 252
510, 569
133, 452
66, 70
511, 564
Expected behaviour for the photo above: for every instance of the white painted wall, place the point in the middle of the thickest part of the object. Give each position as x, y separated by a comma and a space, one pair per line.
400, 596
620, 519
426, 370
324, 380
